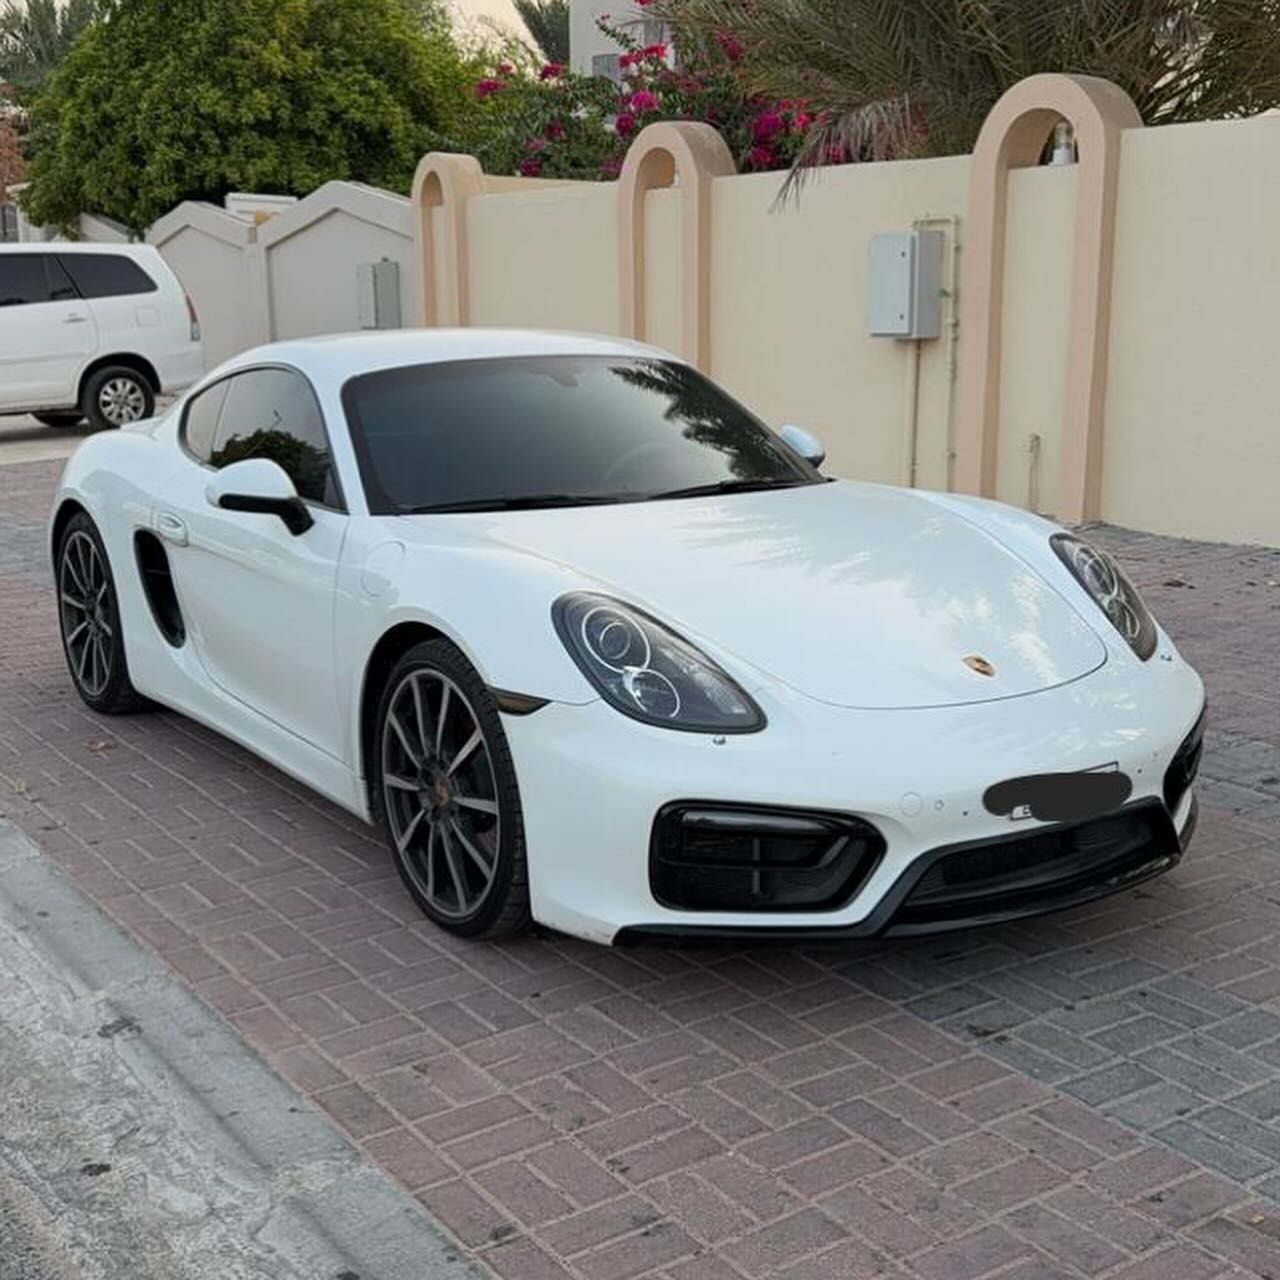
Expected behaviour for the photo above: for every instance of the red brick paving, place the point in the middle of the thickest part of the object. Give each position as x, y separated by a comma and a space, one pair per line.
920, 1110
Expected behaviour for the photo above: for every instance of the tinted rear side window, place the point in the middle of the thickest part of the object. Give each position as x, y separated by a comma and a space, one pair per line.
22, 279
201, 421
106, 275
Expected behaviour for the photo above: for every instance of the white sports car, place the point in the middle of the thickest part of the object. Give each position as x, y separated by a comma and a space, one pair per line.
594, 647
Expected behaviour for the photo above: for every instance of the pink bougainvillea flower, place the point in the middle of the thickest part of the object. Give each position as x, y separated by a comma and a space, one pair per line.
655, 52
729, 45
800, 121
629, 59
643, 100
531, 167
552, 71
554, 131
611, 166
763, 158
489, 86
625, 125
765, 126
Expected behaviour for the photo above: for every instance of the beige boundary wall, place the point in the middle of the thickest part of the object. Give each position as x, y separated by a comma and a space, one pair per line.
1106, 354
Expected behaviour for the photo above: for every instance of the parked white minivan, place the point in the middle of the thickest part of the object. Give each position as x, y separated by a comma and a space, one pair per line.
92, 331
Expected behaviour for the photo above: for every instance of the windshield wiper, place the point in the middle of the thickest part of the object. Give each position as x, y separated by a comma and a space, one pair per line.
528, 502
726, 486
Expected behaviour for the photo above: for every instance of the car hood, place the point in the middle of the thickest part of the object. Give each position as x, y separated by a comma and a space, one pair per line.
857, 595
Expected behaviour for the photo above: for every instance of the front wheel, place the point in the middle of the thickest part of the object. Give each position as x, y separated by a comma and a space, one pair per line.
89, 614
116, 396
446, 795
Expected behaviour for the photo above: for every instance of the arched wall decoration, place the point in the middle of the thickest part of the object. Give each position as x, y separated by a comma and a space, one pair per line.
697, 154
1014, 136
448, 181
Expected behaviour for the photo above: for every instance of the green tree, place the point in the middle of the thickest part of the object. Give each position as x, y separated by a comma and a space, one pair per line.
890, 79
548, 24
36, 37
190, 99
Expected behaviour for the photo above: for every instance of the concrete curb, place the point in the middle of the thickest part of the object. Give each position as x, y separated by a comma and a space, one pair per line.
156, 1141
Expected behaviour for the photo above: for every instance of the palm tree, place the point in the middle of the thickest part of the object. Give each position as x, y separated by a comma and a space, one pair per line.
35, 37
894, 78
548, 23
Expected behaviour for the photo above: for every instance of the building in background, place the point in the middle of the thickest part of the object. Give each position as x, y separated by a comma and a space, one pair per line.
592, 52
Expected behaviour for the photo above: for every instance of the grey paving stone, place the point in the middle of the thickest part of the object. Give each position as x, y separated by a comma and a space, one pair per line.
1218, 1057
1218, 1003
1199, 1079
1246, 1029
1077, 1050
1234, 1126
1262, 1103
1156, 1106
1039, 1066
1132, 1037
1111, 1083
1206, 1149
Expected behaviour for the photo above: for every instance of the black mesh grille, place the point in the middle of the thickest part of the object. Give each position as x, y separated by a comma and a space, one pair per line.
714, 857
1023, 872
1182, 770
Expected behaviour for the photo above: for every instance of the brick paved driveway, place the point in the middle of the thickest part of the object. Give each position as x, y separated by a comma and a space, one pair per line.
1095, 1095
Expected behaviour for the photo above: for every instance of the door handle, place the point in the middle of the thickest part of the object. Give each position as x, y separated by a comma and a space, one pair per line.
76, 320
169, 527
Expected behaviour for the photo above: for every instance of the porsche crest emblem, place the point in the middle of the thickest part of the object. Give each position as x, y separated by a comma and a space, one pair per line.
980, 665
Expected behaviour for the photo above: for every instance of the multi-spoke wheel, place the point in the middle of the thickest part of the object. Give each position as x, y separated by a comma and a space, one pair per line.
90, 621
116, 396
447, 794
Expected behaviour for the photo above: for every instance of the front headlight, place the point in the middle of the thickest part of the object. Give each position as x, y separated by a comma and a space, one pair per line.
1116, 596
647, 671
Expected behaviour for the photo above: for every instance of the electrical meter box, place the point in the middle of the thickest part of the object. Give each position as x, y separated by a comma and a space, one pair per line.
905, 284
378, 294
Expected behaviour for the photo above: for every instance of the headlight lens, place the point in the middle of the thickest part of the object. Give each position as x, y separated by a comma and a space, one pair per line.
647, 671
1117, 597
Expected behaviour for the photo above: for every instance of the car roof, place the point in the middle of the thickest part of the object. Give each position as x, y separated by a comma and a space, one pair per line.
337, 357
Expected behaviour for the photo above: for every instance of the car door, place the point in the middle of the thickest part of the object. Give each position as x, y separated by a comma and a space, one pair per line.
258, 600
47, 332
124, 300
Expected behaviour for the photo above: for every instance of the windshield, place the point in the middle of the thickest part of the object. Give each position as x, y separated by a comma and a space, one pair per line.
554, 431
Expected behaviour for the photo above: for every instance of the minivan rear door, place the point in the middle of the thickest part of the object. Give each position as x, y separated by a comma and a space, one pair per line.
126, 302
47, 332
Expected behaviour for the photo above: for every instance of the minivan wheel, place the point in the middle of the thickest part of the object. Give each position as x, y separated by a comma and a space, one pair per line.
116, 396
69, 418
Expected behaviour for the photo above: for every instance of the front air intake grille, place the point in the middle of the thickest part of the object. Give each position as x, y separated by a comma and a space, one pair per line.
1024, 873
1182, 770
718, 857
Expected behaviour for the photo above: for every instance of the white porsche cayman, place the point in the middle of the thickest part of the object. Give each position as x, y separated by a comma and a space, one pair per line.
596, 648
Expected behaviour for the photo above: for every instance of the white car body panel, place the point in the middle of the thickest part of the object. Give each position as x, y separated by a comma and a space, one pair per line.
844, 609
48, 348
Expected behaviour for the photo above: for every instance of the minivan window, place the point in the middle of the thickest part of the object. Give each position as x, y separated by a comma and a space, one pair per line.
273, 413
22, 279
106, 275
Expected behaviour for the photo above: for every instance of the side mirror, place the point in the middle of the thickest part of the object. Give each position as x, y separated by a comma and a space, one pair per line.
262, 487
805, 443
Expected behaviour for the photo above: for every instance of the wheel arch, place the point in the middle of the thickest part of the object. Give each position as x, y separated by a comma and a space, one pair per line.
67, 510
392, 645
128, 360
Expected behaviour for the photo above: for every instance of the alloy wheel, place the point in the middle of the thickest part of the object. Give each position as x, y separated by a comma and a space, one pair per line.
122, 400
86, 608
440, 793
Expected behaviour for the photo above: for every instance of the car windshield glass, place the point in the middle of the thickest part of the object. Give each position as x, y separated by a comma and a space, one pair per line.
555, 431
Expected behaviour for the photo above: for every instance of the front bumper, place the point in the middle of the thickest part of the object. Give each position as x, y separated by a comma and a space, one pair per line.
593, 781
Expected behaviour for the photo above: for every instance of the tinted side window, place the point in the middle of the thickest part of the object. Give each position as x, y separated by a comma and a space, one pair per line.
60, 287
273, 413
201, 420
106, 275
22, 279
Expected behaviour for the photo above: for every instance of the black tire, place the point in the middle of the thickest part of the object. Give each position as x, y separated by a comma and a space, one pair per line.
117, 395
89, 621
450, 810
69, 418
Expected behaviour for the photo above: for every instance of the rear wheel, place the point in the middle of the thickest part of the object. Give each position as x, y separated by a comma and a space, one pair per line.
446, 794
69, 418
89, 615
116, 396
